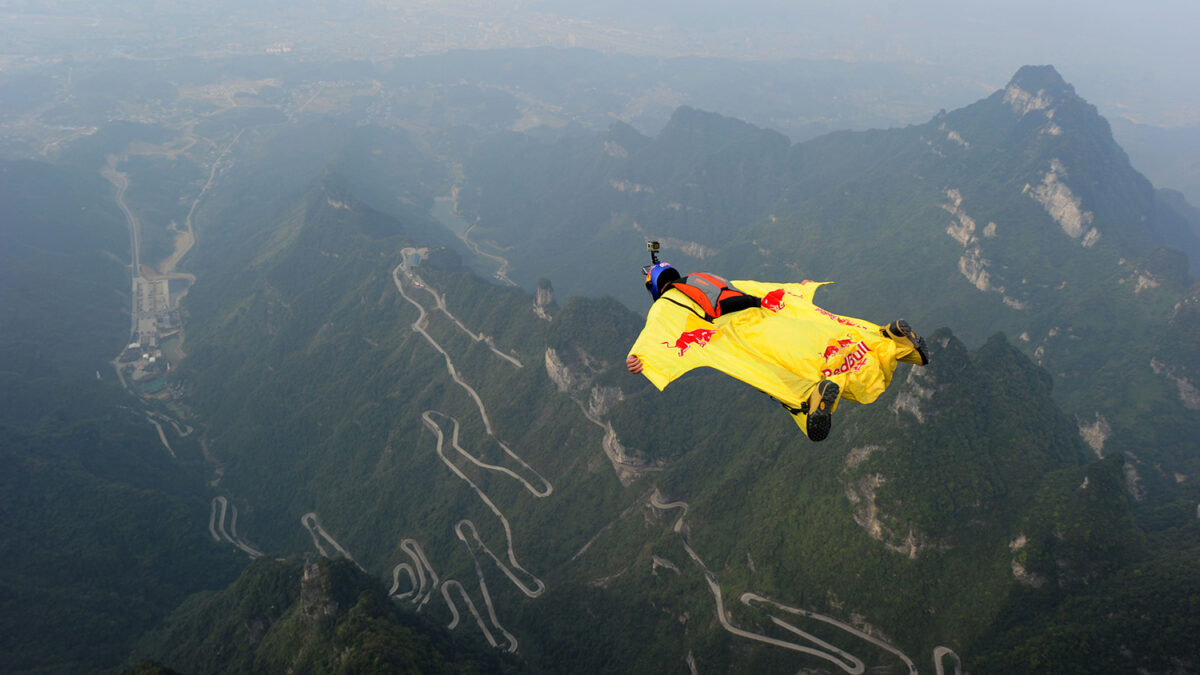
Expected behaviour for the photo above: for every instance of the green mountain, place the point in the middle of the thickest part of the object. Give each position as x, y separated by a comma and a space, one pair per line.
965, 491
102, 529
360, 391
704, 178
1016, 214
315, 617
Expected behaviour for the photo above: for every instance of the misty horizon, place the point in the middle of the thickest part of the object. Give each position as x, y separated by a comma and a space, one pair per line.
1132, 61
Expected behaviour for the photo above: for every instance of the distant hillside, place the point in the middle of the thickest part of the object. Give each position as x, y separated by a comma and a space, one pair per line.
1018, 213
102, 530
318, 616
404, 360
347, 361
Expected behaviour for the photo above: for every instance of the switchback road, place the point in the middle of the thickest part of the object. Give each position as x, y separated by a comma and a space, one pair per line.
823, 650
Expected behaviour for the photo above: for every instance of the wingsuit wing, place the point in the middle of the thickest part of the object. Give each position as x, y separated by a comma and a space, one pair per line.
783, 348
783, 299
677, 340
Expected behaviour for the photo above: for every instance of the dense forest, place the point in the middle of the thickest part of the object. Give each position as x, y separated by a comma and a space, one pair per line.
398, 432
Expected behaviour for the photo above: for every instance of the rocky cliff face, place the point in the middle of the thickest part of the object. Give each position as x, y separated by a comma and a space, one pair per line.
543, 299
316, 598
595, 401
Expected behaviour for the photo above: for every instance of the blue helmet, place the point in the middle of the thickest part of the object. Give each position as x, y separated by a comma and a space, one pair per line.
658, 276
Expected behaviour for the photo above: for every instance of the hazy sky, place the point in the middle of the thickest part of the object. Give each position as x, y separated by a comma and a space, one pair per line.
1135, 58
1126, 49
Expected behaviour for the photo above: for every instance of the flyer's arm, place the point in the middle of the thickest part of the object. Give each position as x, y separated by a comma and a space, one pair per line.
655, 348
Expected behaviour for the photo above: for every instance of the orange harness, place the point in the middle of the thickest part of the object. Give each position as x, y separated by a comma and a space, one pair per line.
710, 292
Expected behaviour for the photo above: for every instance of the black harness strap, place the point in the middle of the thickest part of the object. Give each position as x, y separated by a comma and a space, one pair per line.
687, 307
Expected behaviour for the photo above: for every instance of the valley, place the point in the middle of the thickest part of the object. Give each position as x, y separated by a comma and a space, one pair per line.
827, 652
406, 313
528, 584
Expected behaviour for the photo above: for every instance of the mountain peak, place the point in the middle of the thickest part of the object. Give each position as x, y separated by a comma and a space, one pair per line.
689, 125
1036, 88
1033, 78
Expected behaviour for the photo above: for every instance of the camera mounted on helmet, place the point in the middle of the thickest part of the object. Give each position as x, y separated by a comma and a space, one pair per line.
658, 274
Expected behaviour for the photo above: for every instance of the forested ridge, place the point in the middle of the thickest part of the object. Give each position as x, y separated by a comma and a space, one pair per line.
429, 423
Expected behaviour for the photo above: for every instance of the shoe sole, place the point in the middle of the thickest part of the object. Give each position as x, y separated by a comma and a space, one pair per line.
820, 420
917, 341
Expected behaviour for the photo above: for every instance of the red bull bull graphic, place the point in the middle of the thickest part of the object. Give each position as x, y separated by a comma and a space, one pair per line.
855, 356
699, 336
835, 347
773, 301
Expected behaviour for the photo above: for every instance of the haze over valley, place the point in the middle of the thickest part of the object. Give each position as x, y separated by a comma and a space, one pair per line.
314, 316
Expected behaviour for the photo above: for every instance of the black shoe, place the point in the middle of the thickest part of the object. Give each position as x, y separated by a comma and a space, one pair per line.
900, 331
819, 417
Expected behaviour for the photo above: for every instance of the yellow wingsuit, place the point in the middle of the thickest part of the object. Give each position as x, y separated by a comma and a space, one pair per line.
783, 348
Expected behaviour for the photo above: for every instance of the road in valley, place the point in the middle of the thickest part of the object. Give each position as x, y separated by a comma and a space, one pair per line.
412, 580
533, 482
941, 653
502, 272
310, 523
183, 432
462, 592
121, 182
216, 527
537, 587
419, 325
189, 231
423, 585
462, 229
838, 657
162, 436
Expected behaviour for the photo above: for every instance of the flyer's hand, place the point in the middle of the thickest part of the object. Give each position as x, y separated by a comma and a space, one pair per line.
634, 364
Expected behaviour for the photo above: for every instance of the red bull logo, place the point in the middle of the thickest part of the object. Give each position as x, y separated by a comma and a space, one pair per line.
835, 347
856, 356
773, 301
840, 319
699, 336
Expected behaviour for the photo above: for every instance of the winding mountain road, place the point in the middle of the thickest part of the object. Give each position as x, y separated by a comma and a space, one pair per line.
162, 436
510, 569
419, 326
451, 583
838, 657
834, 655
941, 653
310, 523
487, 597
423, 585
533, 482
412, 580
216, 527
440, 301
502, 272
